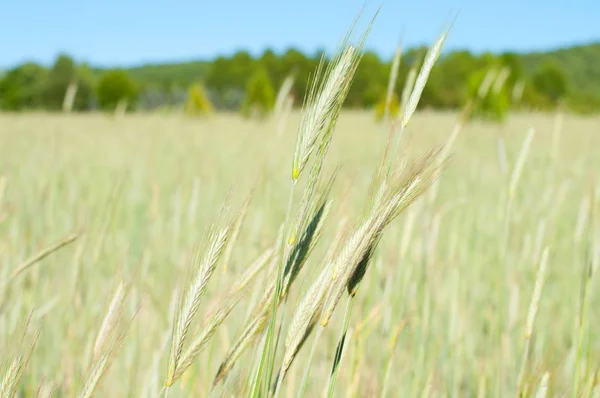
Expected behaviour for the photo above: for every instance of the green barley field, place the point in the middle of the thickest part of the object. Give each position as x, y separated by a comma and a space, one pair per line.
442, 310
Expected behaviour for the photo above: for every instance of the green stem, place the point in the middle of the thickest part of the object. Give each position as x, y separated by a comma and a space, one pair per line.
268, 355
340, 348
581, 338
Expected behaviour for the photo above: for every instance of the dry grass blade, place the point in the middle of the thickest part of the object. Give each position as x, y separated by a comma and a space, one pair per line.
41, 255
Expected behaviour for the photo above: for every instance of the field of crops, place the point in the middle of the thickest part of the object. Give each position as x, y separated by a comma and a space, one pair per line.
442, 309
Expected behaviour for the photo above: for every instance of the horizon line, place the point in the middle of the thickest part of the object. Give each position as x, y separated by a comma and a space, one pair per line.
281, 51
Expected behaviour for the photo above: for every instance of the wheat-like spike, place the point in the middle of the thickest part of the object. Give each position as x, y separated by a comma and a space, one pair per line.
309, 309
104, 361
343, 265
486, 83
407, 89
305, 318
361, 268
537, 291
307, 242
251, 330
516, 174
69, 98
392, 81
252, 270
96, 374
8, 387
500, 80
191, 298
45, 390
201, 339
235, 231
12, 377
110, 319
543, 387
324, 106
216, 319
283, 93
113, 318
430, 58
517, 91
324, 102
404, 187
533, 308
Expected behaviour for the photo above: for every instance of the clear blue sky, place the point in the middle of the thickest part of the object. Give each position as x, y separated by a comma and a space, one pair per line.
130, 32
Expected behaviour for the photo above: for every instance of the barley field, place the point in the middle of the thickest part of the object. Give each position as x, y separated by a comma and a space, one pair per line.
442, 310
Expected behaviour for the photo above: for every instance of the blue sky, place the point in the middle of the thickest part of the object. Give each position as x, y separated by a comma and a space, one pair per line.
131, 32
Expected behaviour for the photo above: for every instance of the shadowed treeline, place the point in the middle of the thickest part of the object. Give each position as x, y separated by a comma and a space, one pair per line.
544, 80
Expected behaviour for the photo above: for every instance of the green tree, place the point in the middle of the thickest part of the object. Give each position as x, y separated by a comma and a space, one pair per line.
114, 86
22, 87
60, 76
259, 97
550, 81
369, 83
492, 103
85, 79
394, 107
197, 102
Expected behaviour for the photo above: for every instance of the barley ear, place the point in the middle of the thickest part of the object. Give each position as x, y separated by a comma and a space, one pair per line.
203, 268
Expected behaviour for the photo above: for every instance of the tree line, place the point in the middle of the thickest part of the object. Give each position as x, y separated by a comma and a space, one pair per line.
229, 80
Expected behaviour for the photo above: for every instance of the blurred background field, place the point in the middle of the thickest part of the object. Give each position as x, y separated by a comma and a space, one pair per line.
143, 188
120, 146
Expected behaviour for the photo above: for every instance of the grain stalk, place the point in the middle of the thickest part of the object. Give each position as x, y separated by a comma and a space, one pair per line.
533, 308
411, 105
319, 118
510, 196
201, 271
392, 82
585, 296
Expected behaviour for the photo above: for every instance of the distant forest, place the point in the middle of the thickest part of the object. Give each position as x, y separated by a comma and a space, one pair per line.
567, 77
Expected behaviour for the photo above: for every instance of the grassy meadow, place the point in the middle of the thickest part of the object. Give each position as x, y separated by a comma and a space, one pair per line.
442, 310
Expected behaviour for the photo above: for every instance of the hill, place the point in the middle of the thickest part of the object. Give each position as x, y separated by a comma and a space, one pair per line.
580, 64
180, 74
